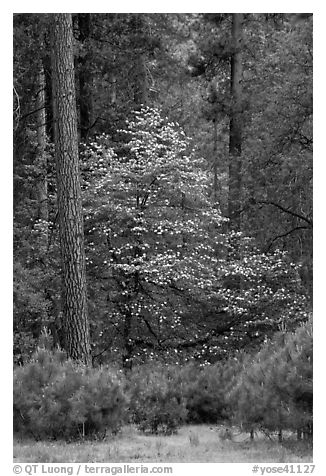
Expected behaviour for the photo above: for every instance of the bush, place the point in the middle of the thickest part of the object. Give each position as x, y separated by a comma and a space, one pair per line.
157, 404
57, 398
293, 381
274, 390
246, 397
205, 390
164, 397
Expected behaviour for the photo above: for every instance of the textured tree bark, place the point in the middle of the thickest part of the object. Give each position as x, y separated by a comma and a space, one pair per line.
75, 318
235, 126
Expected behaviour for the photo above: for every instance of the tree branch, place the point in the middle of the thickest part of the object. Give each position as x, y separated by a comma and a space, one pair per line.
286, 234
17, 110
286, 210
101, 353
30, 113
151, 330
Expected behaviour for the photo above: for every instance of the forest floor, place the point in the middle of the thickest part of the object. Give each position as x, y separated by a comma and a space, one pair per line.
192, 444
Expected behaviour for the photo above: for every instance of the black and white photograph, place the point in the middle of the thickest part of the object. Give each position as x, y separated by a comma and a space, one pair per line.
162, 241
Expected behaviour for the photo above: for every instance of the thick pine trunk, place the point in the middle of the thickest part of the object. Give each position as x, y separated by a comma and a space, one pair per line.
75, 317
235, 126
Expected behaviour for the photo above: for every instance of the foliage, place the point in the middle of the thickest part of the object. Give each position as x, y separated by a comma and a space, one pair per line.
157, 404
279, 142
36, 290
206, 389
149, 223
163, 279
56, 398
269, 390
274, 389
199, 394
166, 283
157, 244
277, 125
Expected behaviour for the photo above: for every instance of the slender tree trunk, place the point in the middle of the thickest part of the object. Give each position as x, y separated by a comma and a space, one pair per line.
140, 79
141, 82
128, 347
42, 185
69, 192
113, 84
235, 126
215, 183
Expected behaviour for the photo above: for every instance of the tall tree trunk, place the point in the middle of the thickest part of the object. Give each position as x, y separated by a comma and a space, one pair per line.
235, 125
113, 84
69, 192
141, 82
140, 79
42, 185
215, 163
128, 346
85, 76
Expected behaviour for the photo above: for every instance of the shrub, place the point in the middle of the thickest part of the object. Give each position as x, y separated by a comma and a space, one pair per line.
205, 390
205, 402
246, 397
164, 397
274, 390
100, 403
57, 398
157, 404
293, 381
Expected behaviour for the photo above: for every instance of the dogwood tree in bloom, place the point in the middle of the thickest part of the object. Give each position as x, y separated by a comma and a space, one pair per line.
158, 252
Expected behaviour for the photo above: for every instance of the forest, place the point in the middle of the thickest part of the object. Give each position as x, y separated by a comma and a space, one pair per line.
162, 223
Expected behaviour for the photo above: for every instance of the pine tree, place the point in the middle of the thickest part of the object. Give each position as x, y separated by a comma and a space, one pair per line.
68, 191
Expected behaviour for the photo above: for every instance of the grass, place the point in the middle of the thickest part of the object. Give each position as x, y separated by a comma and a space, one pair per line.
193, 443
